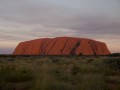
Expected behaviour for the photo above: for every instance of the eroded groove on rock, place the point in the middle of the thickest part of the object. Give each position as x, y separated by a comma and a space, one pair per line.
75, 48
52, 46
64, 45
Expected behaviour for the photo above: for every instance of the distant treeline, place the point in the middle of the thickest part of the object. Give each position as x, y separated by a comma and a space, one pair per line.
115, 54
10, 55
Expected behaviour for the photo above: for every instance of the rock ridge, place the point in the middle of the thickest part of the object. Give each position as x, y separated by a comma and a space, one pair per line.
62, 46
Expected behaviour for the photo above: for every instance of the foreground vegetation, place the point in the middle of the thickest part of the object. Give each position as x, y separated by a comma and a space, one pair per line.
59, 73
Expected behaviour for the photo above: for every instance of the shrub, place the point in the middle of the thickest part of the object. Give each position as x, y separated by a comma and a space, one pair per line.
10, 59
113, 63
115, 55
9, 75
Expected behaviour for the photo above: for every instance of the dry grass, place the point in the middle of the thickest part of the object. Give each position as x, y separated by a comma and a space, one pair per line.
59, 73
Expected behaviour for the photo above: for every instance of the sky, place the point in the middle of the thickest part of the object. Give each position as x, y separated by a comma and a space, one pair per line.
22, 20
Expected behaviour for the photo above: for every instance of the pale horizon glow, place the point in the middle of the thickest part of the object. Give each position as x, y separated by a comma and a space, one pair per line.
22, 20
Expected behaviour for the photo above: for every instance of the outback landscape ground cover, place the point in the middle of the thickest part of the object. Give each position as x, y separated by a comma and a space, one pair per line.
59, 73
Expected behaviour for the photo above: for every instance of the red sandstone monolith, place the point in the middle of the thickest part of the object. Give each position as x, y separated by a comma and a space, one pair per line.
62, 46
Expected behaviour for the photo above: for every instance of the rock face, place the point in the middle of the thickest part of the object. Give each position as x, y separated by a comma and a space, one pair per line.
62, 46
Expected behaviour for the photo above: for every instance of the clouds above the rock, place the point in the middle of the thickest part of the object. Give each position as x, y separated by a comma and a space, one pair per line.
22, 20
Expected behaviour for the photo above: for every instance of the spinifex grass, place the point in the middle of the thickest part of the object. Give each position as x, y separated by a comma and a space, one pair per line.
59, 73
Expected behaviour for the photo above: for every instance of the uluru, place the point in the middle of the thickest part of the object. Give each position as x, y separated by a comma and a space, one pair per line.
62, 46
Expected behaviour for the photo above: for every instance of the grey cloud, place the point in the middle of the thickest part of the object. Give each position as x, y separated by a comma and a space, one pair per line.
89, 26
22, 20
27, 11
96, 25
59, 16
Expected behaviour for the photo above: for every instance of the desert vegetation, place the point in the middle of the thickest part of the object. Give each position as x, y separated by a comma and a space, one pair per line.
59, 73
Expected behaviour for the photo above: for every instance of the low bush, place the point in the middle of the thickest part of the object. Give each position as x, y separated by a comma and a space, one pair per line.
113, 63
9, 75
